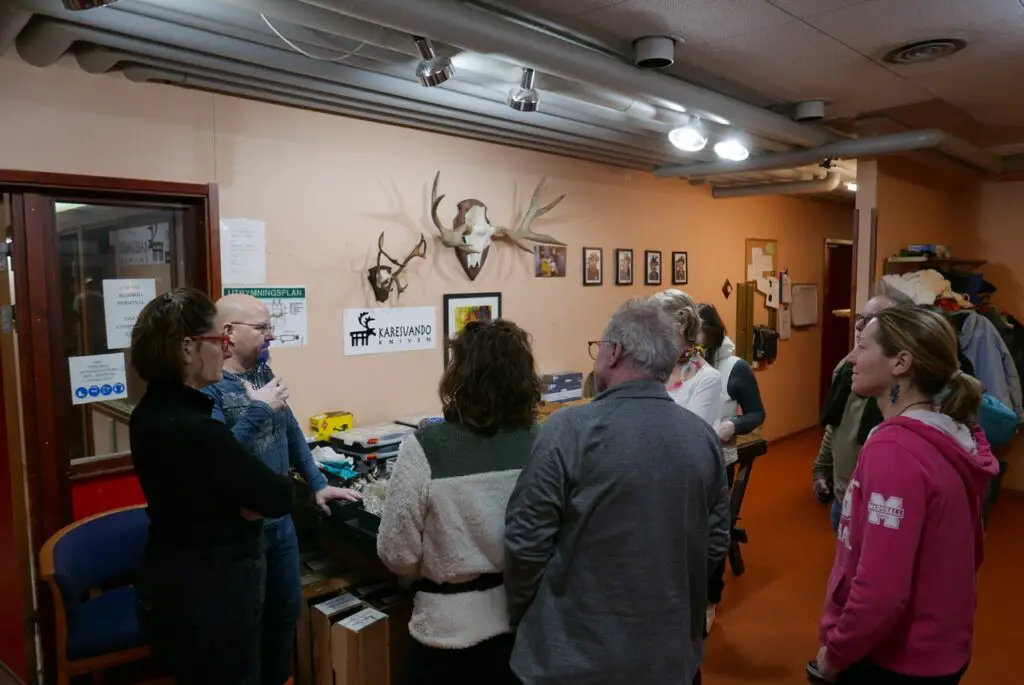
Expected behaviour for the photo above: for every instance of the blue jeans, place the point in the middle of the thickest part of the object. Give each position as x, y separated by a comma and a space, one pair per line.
281, 601
837, 514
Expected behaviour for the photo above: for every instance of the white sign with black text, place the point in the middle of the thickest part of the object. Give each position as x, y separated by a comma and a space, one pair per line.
97, 378
384, 330
123, 300
143, 246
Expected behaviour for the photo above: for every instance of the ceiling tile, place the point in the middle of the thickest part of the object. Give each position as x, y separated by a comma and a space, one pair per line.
875, 26
810, 8
558, 8
996, 82
696, 21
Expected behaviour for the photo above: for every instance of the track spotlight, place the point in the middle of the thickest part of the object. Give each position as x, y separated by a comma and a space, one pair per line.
851, 186
524, 98
78, 5
432, 70
732, 150
689, 138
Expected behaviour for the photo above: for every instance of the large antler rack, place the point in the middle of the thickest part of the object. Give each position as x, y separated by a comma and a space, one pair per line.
450, 237
524, 230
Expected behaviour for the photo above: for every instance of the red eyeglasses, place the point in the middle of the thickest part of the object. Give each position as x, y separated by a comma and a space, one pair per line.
225, 341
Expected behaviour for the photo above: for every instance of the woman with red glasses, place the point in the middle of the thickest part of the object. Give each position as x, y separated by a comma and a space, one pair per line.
200, 593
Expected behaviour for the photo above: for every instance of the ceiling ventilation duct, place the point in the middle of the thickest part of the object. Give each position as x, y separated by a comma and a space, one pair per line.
654, 52
809, 110
78, 5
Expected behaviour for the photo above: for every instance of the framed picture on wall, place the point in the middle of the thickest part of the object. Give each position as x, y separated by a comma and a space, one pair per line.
652, 267
461, 308
593, 266
623, 267
680, 268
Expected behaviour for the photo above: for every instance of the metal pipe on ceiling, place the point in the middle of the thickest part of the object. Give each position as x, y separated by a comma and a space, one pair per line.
820, 185
141, 74
929, 139
45, 41
11, 24
470, 28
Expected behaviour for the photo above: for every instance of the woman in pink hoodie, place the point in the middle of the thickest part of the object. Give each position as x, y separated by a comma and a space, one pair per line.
902, 594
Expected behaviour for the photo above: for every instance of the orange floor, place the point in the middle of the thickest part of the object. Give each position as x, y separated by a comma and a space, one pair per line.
766, 627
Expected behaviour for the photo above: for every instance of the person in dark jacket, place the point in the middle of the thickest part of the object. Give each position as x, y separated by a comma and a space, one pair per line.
200, 592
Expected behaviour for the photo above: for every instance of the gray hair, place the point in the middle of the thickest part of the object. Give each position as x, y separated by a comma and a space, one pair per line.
682, 308
648, 336
894, 294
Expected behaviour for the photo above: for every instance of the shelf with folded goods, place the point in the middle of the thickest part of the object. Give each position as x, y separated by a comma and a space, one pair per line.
903, 265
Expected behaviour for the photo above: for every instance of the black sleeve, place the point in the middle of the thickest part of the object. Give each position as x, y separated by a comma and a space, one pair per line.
742, 387
242, 478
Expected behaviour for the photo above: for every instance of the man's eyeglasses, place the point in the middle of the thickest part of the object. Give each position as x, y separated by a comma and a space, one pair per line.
263, 328
594, 347
225, 341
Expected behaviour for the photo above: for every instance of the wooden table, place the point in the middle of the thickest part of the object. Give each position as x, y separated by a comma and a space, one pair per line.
748, 447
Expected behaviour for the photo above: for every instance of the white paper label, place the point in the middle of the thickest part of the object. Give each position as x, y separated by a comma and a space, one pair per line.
288, 311
243, 251
358, 621
396, 329
123, 300
338, 604
143, 246
97, 378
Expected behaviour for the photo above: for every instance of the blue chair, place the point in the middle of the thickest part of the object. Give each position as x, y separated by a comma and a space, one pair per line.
90, 567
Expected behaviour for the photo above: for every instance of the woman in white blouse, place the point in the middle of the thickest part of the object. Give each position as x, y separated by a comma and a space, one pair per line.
695, 384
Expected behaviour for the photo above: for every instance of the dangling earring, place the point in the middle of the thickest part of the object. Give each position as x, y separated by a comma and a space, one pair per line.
894, 394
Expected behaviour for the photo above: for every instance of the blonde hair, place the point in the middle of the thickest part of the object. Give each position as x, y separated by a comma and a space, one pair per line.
683, 310
932, 342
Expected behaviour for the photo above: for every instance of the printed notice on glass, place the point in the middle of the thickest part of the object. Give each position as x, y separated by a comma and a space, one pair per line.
123, 300
243, 252
97, 378
143, 245
288, 313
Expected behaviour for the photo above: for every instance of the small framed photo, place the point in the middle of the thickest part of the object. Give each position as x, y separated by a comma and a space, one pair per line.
462, 308
652, 267
549, 261
593, 266
623, 267
680, 268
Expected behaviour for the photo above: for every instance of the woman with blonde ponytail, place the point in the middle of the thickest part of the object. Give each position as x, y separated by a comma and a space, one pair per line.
902, 594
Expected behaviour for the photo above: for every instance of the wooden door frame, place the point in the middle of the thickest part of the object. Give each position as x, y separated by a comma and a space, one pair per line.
41, 365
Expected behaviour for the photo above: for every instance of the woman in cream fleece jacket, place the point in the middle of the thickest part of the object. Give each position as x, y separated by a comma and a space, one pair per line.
444, 519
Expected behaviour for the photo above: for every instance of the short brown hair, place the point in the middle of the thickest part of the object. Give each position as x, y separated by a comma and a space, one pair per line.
491, 382
932, 341
161, 330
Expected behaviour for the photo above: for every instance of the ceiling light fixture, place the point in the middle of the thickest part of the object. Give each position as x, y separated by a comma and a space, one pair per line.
851, 186
432, 70
925, 51
689, 138
524, 98
732, 150
79, 5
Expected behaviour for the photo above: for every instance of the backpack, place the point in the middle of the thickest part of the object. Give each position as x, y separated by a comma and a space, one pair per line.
998, 421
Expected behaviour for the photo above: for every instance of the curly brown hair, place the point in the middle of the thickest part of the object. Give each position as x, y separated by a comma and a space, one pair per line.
490, 383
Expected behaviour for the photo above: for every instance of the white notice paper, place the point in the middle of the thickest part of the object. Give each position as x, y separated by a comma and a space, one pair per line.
288, 312
243, 251
785, 323
97, 378
395, 329
123, 300
787, 289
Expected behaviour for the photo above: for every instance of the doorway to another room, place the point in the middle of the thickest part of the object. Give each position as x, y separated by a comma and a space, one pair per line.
837, 317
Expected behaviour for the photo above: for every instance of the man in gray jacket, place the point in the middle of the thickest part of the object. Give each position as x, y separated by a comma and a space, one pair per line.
615, 523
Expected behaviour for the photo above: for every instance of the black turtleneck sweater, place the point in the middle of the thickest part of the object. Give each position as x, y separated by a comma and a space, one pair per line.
197, 478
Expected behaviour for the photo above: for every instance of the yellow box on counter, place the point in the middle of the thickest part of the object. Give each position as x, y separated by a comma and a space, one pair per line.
325, 425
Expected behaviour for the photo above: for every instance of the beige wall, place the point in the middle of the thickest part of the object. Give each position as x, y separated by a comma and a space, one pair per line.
326, 186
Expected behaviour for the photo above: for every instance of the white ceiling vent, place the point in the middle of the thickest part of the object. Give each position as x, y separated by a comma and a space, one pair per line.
654, 52
925, 51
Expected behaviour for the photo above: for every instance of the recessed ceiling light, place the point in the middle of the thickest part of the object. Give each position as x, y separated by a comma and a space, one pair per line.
925, 51
688, 138
732, 150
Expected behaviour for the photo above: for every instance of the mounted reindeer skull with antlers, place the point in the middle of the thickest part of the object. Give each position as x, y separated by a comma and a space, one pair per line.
472, 232
384, 278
